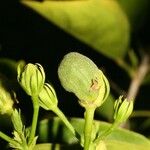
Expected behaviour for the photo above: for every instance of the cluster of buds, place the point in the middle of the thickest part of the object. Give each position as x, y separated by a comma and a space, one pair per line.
32, 79
79, 75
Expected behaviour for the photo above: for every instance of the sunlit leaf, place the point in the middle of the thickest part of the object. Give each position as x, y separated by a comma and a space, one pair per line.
111, 145
99, 23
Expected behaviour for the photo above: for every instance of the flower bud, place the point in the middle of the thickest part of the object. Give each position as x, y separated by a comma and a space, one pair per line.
79, 75
47, 97
6, 101
123, 109
31, 77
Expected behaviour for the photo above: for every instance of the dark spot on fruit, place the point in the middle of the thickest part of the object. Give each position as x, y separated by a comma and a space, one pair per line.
94, 86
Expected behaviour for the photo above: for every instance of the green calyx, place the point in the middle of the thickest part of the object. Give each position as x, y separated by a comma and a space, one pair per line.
79, 75
20, 133
17, 121
31, 77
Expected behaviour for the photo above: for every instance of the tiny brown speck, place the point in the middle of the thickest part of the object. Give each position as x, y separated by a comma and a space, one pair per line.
94, 86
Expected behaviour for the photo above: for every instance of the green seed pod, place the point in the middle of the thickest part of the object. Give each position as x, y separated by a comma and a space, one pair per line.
31, 77
123, 109
78, 74
47, 97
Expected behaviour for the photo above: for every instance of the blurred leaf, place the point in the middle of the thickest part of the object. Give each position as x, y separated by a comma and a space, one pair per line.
136, 11
115, 145
8, 67
111, 145
99, 23
146, 124
106, 110
48, 146
119, 139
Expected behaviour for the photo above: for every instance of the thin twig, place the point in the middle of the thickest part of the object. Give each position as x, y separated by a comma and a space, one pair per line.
136, 82
138, 78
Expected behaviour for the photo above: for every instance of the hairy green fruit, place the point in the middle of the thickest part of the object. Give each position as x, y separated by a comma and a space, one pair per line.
78, 74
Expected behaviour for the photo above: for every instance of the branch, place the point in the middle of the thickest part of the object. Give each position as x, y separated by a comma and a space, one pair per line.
138, 78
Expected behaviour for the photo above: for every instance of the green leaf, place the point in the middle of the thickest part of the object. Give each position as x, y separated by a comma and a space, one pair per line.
117, 145
99, 23
136, 11
119, 139
48, 146
111, 145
